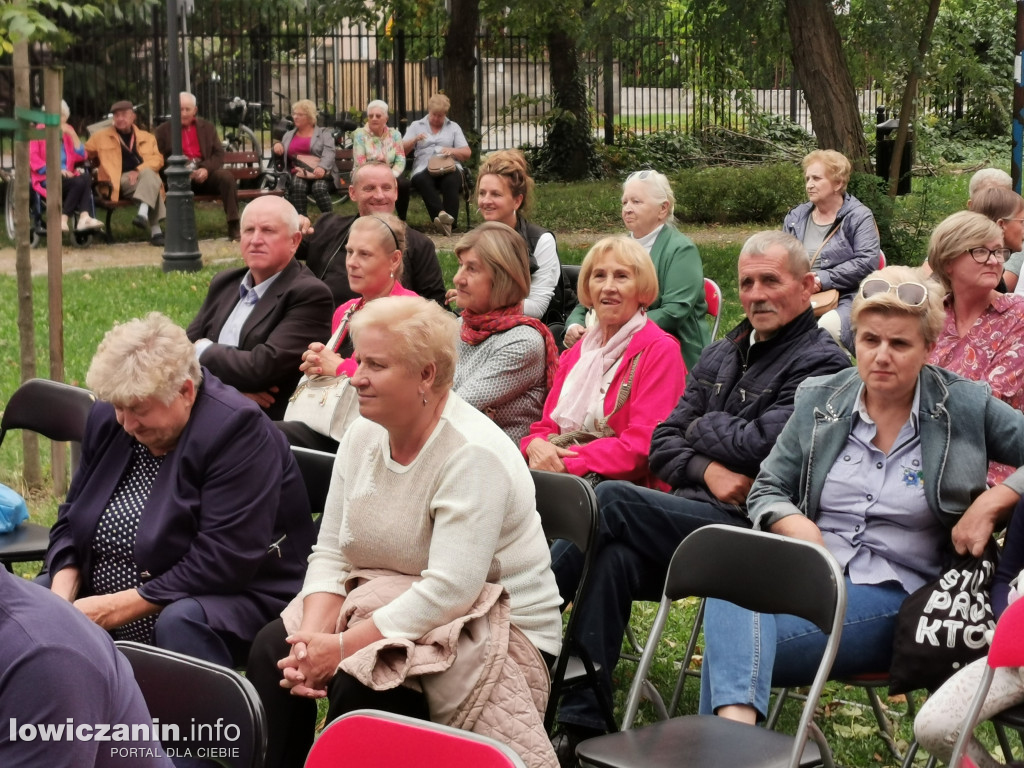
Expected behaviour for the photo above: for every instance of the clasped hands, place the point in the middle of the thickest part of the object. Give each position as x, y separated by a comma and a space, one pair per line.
318, 360
312, 663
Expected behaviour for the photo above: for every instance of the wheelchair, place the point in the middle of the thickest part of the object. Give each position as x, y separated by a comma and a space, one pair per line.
37, 215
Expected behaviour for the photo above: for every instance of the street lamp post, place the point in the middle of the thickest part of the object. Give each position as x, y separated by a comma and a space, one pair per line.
181, 248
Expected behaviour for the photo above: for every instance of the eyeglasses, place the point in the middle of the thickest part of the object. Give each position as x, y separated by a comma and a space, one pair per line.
1012, 218
981, 254
911, 294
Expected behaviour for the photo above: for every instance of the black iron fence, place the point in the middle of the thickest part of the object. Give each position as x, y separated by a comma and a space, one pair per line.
654, 77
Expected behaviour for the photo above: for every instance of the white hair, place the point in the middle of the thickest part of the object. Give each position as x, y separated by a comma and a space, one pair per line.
188, 97
989, 177
65, 110
378, 104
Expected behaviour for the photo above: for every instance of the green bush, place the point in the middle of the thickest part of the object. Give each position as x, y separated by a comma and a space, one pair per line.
664, 150
726, 195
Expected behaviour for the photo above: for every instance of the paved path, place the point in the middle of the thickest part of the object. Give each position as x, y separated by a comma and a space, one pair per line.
100, 255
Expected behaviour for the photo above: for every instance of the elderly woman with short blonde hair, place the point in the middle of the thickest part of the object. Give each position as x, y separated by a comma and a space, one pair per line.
432, 509
434, 135
982, 336
507, 360
227, 525
614, 387
303, 178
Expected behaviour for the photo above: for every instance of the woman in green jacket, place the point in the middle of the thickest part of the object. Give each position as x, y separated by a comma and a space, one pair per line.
647, 207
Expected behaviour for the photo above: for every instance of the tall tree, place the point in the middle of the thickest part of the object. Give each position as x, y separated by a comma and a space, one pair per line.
823, 73
460, 65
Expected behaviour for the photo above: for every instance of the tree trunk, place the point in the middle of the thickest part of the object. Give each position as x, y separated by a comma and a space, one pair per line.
571, 154
460, 67
822, 71
32, 473
909, 96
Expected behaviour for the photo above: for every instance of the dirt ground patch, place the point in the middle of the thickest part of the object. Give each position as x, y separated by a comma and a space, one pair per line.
101, 255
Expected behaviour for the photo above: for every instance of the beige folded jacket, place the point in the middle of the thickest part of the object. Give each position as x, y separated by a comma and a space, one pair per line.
478, 672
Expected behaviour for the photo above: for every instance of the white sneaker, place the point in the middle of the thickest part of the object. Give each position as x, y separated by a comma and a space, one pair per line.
87, 223
444, 222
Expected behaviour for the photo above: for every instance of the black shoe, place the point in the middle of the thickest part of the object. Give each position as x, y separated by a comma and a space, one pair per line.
157, 240
140, 221
567, 739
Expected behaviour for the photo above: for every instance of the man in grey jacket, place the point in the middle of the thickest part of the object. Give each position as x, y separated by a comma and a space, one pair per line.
738, 398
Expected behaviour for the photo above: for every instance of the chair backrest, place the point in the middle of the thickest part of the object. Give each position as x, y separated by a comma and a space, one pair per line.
761, 572
316, 467
52, 409
217, 712
881, 259
368, 738
713, 298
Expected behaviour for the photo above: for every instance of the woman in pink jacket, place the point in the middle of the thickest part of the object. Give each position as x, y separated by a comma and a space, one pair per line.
77, 182
614, 387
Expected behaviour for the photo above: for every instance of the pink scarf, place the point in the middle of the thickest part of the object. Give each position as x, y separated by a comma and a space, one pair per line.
583, 384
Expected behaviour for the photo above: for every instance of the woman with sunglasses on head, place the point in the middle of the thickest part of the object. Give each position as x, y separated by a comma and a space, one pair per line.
982, 337
373, 260
883, 465
648, 205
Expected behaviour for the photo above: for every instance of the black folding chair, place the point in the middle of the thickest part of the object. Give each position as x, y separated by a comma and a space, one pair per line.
56, 411
216, 712
568, 510
730, 563
316, 467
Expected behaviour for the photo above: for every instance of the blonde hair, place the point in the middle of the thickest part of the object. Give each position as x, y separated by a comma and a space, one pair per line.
511, 165
423, 333
144, 357
931, 314
954, 235
502, 251
439, 103
389, 231
837, 167
627, 252
305, 107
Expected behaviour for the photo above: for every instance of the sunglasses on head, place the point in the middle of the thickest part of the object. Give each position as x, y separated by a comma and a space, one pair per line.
639, 176
911, 294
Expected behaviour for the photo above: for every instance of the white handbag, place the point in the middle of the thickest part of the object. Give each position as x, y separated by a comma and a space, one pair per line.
325, 404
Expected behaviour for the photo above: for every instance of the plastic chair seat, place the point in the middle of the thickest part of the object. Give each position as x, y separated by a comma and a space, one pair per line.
687, 741
26, 543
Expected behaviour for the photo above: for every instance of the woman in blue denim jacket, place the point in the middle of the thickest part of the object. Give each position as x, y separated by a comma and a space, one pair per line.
884, 466
839, 233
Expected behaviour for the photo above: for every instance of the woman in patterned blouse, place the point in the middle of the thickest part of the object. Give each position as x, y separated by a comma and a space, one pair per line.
376, 143
983, 335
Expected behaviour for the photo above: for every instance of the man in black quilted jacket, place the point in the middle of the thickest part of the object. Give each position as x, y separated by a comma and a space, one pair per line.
738, 398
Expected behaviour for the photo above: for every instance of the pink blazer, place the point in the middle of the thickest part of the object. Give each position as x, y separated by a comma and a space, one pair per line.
658, 384
37, 160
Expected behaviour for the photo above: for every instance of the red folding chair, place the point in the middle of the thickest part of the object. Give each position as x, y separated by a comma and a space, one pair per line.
368, 738
713, 297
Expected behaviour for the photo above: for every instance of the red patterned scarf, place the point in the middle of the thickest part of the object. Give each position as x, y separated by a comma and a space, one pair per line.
477, 327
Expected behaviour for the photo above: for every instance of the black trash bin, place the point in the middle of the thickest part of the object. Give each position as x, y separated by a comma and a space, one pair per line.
885, 142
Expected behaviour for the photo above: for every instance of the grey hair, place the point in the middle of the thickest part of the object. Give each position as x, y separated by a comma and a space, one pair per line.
65, 110
659, 187
289, 216
989, 177
145, 357
190, 98
759, 242
378, 104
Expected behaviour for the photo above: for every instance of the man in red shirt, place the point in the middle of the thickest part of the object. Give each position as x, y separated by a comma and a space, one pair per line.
201, 145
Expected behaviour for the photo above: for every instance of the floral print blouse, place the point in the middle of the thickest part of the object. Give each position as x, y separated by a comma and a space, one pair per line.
387, 149
991, 351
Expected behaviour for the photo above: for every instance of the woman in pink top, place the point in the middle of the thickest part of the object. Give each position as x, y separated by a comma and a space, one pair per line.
373, 259
983, 336
623, 378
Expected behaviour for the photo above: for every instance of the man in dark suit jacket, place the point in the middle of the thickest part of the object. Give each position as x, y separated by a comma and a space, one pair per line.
255, 343
201, 145
374, 190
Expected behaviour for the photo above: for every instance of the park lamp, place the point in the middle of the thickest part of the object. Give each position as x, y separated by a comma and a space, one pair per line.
181, 246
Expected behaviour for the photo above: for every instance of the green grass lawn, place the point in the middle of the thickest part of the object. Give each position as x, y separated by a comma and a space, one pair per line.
94, 300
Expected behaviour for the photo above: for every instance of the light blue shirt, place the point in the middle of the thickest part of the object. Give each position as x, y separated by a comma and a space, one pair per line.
248, 296
874, 517
449, 137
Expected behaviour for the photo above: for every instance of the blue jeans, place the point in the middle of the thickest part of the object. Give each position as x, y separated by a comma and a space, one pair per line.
639, 532
747, 653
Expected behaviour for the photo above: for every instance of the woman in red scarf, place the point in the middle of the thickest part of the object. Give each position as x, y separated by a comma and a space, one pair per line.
506, 359
614, 387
